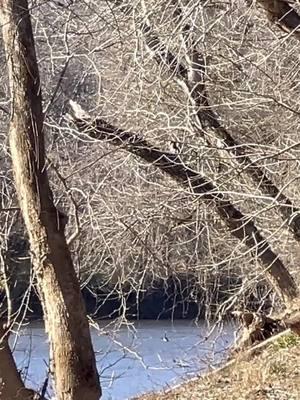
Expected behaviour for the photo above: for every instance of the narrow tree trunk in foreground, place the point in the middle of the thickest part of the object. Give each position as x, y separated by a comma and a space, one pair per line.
11, 384
240, 226
73, 359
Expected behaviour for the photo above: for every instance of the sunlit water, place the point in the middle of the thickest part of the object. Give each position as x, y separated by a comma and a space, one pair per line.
146, 356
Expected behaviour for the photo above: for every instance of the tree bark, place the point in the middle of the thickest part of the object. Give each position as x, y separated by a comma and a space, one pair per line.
240, 226
73, 359
283, 15
11, 384
192, 80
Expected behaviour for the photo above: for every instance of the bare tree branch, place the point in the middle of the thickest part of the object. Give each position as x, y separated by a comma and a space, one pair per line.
75, 371
194, 85
240, 226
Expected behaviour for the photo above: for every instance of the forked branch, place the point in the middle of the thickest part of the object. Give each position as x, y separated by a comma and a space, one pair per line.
192, 80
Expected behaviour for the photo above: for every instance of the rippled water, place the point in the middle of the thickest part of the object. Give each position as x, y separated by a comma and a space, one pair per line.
142, 357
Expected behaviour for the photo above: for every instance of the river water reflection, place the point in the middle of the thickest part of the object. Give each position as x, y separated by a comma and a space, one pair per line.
141, 357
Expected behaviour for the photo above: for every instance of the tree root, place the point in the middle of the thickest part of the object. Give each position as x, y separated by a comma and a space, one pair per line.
257, 327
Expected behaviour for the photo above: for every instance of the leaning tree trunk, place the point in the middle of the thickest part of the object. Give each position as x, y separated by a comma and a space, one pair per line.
11, 384
72, 355
283, 15
241, 226
192, 80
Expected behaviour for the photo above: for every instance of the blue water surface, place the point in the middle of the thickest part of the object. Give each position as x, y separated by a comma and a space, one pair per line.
136, 358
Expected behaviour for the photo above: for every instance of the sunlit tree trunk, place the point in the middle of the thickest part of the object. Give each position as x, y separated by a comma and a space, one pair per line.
73, 359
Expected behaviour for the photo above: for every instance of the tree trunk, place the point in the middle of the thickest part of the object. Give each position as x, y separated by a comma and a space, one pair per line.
73, 359
204, 115
283, 15
240, 226
11, 384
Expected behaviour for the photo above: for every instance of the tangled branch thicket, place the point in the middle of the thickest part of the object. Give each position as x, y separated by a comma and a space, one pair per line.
132, 229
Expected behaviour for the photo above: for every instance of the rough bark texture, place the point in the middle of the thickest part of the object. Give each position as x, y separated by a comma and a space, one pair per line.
292, 321
256, 328
11, 384
240, 226
283, 15
73, 359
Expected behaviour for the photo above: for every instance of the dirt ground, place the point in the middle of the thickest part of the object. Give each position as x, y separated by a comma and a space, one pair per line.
272, 375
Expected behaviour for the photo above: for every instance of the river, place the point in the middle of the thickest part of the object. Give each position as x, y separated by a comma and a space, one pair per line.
141, 357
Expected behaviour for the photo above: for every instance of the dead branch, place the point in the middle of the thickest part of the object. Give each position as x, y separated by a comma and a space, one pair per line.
193, 82
240, 226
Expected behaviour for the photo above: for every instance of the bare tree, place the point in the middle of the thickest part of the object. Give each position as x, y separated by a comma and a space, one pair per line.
192, 79
73, 359
242, 227
222, 92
